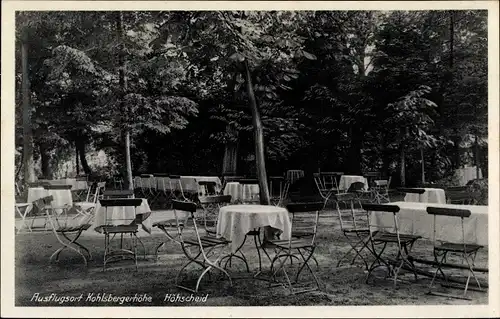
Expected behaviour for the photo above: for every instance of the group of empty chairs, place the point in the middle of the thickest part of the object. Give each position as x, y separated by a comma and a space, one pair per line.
362, 233
327, 184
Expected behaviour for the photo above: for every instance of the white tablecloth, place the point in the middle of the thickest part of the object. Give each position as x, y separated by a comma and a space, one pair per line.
61, 197
466, 174
122, 215
235, 221
431, 195
413, 219
242, 193
346, 181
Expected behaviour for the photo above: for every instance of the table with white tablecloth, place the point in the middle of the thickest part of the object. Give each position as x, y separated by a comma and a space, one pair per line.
61, 197
430, 195
242, 192
122, 215
413, 219
235, 221
346, 181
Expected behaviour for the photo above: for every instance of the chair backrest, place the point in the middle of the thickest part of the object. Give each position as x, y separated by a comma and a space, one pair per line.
381, 209
41, 203
248, 181
459, 195
305, 217
412, 190
118, 194
57, 187
356, 186
331, 179
207, 188
211, 206
121, 202
351, 214
448, 212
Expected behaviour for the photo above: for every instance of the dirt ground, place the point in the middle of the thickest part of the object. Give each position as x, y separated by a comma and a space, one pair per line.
344, 285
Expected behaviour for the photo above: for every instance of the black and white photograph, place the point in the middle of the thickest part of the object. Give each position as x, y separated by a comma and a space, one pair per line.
237, 157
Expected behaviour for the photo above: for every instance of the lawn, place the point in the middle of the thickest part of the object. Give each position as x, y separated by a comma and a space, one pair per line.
341, 286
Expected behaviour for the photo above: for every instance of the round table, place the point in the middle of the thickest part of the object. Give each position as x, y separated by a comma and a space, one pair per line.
62, 197
431, 195
235, 221
242, 193
346, 181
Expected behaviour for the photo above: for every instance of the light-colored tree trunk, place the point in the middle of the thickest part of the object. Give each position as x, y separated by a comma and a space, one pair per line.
259, 141
423, 165
124, 87
29, 165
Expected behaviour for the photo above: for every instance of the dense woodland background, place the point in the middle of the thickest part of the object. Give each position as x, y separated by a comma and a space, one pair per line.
350, 91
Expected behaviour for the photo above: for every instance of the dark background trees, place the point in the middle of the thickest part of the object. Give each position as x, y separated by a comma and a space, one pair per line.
350, 91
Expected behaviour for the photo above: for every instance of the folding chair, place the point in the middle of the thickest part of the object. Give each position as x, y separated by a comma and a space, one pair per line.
278, 187
304, 219
149, 188
354, 225
163, 196
78, 193
205, 246
63, 228
389, 234
254, 197
206, 188
441, 249
127, 226
324, 191
381, 190
331, 180
459, 195
358, 188
86, 208
176, 187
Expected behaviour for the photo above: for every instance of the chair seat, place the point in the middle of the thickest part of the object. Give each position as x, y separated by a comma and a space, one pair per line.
69, 229
393, 238
253, 233
172, 223
207, 241
115, 229
468, 248
285, 244
301, 234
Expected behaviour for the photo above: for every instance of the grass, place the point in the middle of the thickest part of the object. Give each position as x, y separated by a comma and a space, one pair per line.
341, 286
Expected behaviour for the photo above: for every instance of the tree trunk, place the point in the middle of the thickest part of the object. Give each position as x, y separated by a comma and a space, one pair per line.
423, 165
29, 165
229, 164
45, 161
77, 161
354, 153
123, 85
80, 147
402, 171
259, 141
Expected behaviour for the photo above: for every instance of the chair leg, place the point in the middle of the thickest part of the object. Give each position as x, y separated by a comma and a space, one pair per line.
55, 255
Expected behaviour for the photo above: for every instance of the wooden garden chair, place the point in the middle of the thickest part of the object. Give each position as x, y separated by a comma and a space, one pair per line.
304, 220
354, 225
441, 249
127, 226
66, 230
207, 249
382, 236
